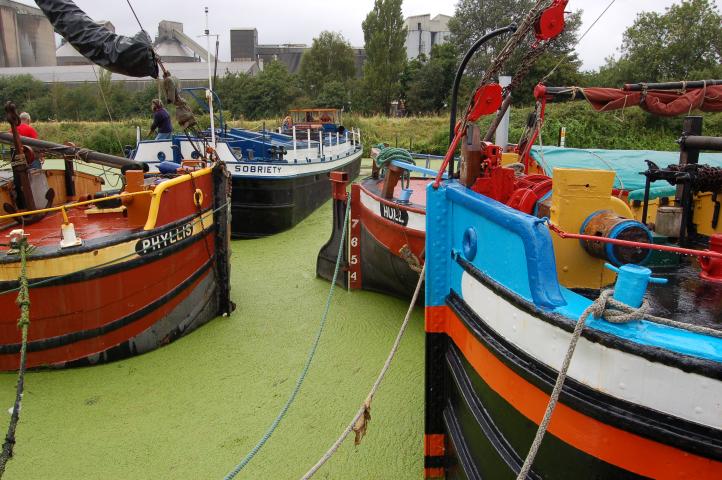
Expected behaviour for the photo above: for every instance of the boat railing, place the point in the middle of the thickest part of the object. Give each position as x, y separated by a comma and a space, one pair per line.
68, 206
416, 168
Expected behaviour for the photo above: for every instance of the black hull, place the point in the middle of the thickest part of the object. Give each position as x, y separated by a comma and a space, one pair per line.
384, 272
262, 207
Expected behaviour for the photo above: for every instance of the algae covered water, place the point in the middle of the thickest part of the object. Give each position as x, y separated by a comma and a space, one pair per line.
194, 408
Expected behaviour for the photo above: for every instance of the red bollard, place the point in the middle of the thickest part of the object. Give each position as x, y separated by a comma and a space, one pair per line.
712, 267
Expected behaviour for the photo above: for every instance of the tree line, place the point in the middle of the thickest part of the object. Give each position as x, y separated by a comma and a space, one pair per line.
682, 43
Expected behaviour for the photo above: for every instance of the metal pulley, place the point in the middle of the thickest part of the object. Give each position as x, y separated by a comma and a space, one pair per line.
487, 100
551, 21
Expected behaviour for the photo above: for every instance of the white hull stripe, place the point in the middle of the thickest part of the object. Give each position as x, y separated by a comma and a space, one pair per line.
622, 375
417, 221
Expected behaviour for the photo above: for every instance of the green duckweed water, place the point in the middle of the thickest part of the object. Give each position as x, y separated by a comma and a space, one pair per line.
194, 408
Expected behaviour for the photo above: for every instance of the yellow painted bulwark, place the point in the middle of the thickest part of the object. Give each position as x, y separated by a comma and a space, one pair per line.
68, 264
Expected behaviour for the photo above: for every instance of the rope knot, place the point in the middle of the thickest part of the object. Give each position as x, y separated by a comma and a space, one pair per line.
614, 311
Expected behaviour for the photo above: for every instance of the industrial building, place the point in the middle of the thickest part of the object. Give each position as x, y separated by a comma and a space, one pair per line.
423, 32
26, 36
183, 56
245, 46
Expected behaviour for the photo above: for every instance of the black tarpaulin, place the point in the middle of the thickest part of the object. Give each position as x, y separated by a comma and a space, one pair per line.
132, 56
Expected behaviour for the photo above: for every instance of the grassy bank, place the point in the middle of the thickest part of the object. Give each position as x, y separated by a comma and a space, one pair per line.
628, 129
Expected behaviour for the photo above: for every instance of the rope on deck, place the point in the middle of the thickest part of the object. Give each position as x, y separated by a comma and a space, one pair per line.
309, 359
23, 301
359, 422
612, 311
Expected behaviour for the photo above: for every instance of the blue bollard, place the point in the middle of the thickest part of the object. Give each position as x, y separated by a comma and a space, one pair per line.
632, 281
405, 195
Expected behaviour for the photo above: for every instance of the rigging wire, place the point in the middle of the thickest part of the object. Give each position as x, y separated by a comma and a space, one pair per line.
135, 15
564, 56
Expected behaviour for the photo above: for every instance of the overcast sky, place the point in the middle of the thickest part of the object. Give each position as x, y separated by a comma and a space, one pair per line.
298, 22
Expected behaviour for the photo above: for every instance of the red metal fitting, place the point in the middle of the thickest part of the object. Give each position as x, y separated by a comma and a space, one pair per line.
339, 180
487, 100
551, 22
712, 267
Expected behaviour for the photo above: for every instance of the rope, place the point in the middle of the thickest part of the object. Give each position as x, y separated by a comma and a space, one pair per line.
564, 56
357, 423
312, 352
388, 154
23, 301
107, 107
612, 311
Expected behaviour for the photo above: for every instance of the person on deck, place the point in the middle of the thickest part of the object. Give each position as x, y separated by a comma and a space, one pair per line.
25, 129
161, 121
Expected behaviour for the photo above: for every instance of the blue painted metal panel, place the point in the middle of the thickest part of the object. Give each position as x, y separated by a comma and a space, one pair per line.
515, 250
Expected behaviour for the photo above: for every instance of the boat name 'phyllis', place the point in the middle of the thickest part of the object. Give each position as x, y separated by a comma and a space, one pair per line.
163, 240
268, 169
394, 214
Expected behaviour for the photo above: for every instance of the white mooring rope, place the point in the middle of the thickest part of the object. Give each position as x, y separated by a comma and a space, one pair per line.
363, 411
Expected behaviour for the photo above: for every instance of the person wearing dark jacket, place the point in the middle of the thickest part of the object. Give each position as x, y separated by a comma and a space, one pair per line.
161, 121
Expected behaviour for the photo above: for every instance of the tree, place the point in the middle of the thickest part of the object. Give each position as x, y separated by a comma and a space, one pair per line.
475, 18
429, 82
385, 38
686, 39
270, 93
333, 95
330, 59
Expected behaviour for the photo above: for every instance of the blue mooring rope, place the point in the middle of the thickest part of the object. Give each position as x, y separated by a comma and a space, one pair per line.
232, 474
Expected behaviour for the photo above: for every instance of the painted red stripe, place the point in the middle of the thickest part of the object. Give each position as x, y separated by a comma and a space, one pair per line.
610, 444
77, 306
391, 235
84, 348
434, 444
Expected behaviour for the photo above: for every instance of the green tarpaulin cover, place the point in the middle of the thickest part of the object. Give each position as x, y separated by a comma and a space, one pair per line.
626, 163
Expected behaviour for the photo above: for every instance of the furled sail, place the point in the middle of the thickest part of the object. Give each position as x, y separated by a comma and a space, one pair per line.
132, 56
662, 102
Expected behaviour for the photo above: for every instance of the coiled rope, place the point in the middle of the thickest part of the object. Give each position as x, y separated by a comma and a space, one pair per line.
612, 311
23, 301
304, 372
358, 422
388, 154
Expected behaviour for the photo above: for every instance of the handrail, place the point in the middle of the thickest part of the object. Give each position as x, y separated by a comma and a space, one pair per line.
75, 205
415, 168
633, 244
160, 189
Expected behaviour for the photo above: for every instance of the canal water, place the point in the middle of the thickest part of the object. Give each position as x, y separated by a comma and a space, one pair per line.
194, 408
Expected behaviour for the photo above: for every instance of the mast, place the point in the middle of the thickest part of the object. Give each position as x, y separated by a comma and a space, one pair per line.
209, 92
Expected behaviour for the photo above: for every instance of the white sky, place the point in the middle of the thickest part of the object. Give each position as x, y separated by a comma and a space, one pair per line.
300, 21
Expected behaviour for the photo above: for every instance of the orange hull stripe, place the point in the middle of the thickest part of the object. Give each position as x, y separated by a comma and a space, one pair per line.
434, 445
610, 444
436, 319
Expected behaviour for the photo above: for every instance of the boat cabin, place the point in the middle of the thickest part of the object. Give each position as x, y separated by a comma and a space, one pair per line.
326, 119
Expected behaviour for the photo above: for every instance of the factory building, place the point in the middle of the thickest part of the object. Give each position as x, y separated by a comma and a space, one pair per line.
423, 32
183, 56
26, 36
245, 46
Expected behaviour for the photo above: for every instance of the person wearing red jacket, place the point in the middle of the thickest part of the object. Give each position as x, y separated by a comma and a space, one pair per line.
25, 129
